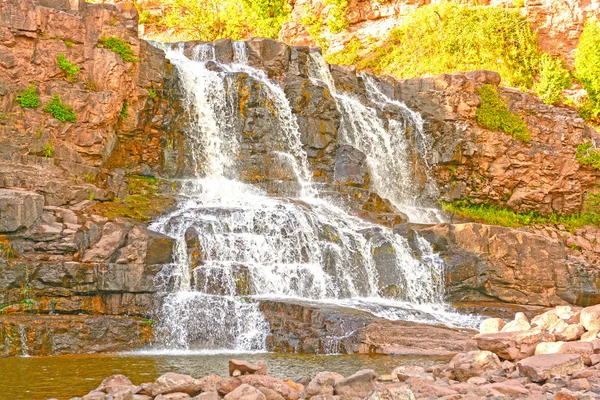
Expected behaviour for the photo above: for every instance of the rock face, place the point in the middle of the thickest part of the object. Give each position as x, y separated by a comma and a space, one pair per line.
490, 262
19, 209
543, 367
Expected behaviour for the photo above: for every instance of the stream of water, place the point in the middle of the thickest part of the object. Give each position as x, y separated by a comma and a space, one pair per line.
257, 246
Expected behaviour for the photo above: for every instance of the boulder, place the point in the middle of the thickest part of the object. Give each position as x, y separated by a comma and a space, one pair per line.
407, 371
19, 209
95, 395
323, 383
491, 325
391, 393
245, 392
545, 320
245, 368
544, 366
270, 394
114, 382
519, 324
359, 384
584, 349
172, 382
569, 333
208, 396
270, 382
173, 396
590, 317
113, 237
474, 363
590, 335
513, 345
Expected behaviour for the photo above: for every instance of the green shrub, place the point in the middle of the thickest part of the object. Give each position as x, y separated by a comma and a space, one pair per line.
118, 46
338, 17
152, 93
59, 110
447, 37
29, 98
347, 56
494, 114
587, 67
124, 114
69, 68
554, 78
48, 149
587, 154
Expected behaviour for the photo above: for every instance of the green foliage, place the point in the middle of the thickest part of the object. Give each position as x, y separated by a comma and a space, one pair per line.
210, 20
554, 78
587, 67
347, 56
338, 18
494, 114
314, 27
447, 37
69, 68
118, 46
587, 154
124, 114
91, 194
48, 149
59, 110
519, 3
152, 93
29, 98
137, 207
494, 215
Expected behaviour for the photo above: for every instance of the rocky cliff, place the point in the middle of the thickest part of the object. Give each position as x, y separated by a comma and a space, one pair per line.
77, 192
559, 23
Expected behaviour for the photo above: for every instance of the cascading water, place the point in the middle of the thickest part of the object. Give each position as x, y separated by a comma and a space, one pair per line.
253, 246
386, 143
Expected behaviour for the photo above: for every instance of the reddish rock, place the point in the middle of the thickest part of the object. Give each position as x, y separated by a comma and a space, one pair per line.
245, 368
269, 382
590, 317
245, 392
513, 345
543, 367
584, 349
172, 382
323, 383
474, 363
491, 325
359, 384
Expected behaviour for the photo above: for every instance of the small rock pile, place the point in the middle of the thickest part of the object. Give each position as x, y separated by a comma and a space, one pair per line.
554, 356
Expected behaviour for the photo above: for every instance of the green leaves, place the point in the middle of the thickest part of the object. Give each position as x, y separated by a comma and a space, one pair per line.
29, 98
494, 114
587, 154
554, 78
59, 110
69, 68
118, 46
587, 67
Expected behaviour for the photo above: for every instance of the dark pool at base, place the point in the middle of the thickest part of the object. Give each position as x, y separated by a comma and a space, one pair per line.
63, 377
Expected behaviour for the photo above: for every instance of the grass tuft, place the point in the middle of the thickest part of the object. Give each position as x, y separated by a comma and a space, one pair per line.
494, 114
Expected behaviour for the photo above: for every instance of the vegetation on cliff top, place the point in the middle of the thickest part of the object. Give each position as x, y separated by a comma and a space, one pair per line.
210, 20
444, 38
587, 67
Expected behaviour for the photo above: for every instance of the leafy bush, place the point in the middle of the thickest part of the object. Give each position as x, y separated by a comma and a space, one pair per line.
554, 78
338, 17
152, 93
494, 114
347, 56
69, 68
60, 111
587, 67
587, 154
29, 98
48, 149
118, 46
447, 37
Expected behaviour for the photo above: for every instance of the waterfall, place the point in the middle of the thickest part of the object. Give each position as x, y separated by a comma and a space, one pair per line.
386, 143
247, 245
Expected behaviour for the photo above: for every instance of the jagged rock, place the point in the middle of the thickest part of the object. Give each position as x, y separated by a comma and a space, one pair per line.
591, 335
359, 384
173, 396
520, 324
244, 367
113, 237
270, 394
114, 382
172, 382
351, 168
208, 396
407, 371
568, 333
282, 388
543, 367
144, 246
19, 209
474, 363
513, 345
323, 383
245, 392
95, 395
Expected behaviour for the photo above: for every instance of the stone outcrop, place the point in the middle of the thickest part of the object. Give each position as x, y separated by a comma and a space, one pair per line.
319, 329
486, 262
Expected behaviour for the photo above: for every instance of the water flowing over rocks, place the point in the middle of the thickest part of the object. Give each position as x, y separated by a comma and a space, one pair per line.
292, 207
